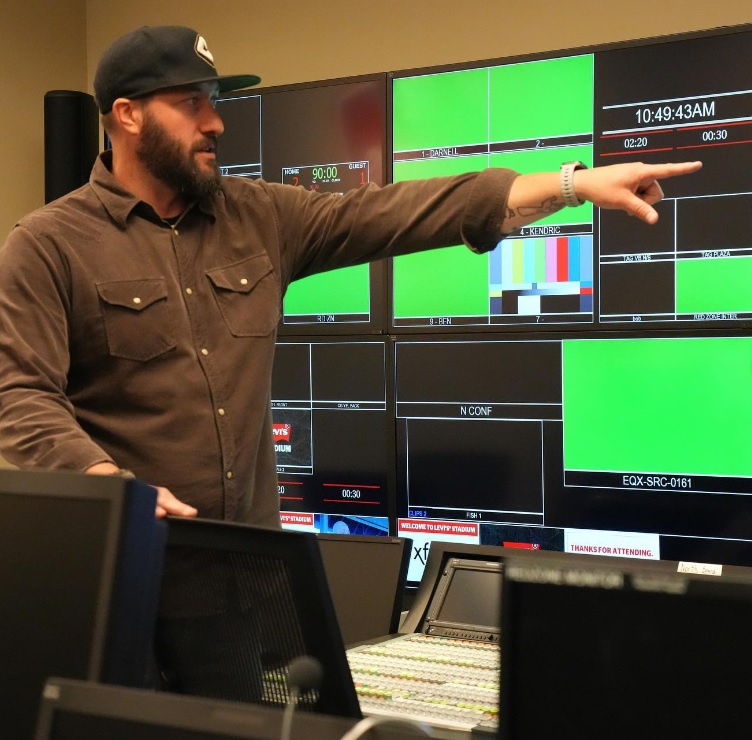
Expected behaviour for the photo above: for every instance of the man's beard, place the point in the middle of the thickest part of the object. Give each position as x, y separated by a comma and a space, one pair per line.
164, 158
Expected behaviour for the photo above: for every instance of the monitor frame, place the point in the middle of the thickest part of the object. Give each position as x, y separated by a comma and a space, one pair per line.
378, 553
119, 648
438, 324
592, 588
175, 713
327, 324
315, 613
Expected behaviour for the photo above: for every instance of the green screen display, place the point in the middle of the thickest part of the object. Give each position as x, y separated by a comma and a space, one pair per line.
344, 291
529, 117
677, 406
714, 285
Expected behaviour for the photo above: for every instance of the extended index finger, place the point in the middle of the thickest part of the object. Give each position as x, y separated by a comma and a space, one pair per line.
672, 169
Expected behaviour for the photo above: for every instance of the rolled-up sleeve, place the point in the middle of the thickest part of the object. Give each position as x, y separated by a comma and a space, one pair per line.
484, 216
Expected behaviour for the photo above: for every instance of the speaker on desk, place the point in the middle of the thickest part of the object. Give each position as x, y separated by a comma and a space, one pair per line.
71, 141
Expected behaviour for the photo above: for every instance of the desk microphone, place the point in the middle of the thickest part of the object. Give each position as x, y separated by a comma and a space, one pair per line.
303, 674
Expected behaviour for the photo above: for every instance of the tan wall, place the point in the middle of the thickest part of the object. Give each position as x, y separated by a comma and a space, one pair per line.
44, 48
299, 40
44, 44
54, 44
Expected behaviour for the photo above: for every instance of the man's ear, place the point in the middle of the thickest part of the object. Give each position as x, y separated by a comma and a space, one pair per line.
128, 114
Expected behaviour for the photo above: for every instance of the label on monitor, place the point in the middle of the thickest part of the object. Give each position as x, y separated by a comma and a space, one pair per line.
705, 569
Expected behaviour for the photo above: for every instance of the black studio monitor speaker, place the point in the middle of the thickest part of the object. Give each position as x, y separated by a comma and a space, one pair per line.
71, 141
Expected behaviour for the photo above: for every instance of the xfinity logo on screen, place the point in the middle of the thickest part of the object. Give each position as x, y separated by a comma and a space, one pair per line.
420, 552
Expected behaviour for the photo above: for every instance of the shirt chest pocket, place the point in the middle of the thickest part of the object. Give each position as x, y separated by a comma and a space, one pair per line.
136, 318
248, 296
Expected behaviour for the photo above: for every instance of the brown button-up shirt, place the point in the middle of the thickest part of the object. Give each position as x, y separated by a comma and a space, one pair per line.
124, 338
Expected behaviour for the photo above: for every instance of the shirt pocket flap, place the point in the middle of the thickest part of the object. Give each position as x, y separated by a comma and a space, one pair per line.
134, 294
243, 276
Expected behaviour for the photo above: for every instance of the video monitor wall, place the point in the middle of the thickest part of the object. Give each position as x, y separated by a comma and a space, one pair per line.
660, 100
327, 136
586, 386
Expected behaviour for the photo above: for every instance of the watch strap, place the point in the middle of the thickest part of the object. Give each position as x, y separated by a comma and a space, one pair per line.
568, 194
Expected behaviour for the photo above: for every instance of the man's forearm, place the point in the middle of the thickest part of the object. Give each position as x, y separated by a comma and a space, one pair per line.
531, 198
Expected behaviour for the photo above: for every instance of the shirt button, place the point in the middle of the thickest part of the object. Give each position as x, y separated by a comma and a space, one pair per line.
137, 300
221, 412
204, 351
189, 291
244, 281
229, 474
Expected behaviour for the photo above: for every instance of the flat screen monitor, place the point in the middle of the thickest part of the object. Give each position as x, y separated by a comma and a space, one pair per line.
239, 605
466, 601
328, 136
80, 566
685, 98
460, 588
367, 577
622, 650
628, 445
334, 435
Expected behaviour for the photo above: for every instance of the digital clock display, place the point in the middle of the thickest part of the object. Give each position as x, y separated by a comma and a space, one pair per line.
674, 112
327, 178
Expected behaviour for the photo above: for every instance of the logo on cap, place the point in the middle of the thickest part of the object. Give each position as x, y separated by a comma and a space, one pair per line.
202, 49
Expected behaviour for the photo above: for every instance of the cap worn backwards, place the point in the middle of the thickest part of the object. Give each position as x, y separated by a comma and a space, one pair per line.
153, 58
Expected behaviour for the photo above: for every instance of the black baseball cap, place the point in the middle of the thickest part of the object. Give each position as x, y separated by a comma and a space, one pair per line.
153, 58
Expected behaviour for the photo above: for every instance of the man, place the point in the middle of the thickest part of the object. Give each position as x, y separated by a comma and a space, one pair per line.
138, 314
